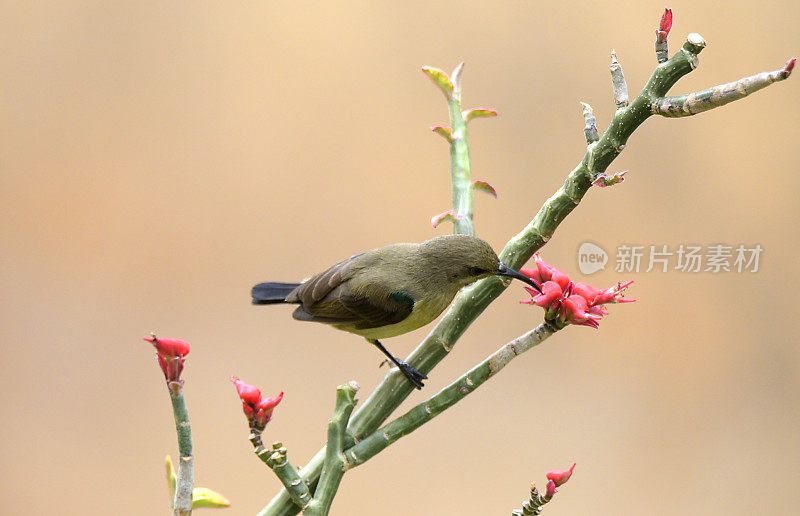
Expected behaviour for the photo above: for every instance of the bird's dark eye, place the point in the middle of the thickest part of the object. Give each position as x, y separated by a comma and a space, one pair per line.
476, 271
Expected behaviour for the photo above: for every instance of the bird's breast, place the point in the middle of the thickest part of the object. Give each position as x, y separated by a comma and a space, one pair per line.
425, 310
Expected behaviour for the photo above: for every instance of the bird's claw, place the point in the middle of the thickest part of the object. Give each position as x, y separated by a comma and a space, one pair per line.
414, 376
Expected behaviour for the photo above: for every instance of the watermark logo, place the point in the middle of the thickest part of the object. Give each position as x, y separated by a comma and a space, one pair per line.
591, 258
717, 258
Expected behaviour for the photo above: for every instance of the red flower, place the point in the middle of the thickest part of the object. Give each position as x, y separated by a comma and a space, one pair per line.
560, 477
170, 354
257, 409
570, 303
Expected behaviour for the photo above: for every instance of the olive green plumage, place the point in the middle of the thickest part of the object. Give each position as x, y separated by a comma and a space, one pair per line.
395, 289
391, 290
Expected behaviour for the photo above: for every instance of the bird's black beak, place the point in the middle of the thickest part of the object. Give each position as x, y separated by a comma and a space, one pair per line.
505, 270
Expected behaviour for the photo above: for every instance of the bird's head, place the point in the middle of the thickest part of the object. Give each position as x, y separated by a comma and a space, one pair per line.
466, 259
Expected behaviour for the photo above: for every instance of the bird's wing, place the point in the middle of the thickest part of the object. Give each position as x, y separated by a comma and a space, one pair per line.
319, 286
329, 298
343, 306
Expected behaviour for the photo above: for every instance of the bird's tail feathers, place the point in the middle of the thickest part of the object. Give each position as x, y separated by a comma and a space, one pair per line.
272, 292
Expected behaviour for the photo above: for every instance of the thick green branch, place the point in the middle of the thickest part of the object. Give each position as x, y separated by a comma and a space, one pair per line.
446, 398
333, 468
182, 503
472, 301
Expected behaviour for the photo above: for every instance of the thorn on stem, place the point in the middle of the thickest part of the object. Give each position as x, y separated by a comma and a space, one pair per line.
444, 131
449, 215
478, 113
485, 186
456, 76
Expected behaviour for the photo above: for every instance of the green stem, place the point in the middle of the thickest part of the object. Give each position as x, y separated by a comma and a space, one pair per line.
446, 398
333, 468
533, 506
460, 170
182, 503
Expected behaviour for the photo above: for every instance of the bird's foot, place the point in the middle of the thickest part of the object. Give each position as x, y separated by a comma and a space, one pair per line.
414, 376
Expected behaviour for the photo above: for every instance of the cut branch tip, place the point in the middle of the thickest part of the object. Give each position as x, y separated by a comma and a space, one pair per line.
694, 43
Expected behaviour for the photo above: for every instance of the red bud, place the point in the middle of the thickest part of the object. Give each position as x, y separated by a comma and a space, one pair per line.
666, 21
270, 403
247, 392
559, 478
169, 347
550, 490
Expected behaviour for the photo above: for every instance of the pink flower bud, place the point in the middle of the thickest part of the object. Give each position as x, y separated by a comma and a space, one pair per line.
256, 409
249, 410
561, 278
270, 403
169, 347
264, 409
666, 22
170, 354
551, 292
575, 308
533, 274
559, 478
247, 392
588, 292
550, 490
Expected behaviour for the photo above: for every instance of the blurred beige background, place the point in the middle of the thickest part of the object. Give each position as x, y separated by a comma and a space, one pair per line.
159, 158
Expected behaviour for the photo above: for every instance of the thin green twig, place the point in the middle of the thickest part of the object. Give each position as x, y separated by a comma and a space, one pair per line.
182, 503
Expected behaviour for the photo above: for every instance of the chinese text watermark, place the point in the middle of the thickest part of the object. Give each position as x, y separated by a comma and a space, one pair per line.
715, 258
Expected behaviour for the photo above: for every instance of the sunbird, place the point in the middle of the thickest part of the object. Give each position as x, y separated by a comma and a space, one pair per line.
390, 290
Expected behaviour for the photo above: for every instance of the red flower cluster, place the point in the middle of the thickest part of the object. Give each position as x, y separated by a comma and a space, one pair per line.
258, 410
567, 302
170, 354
